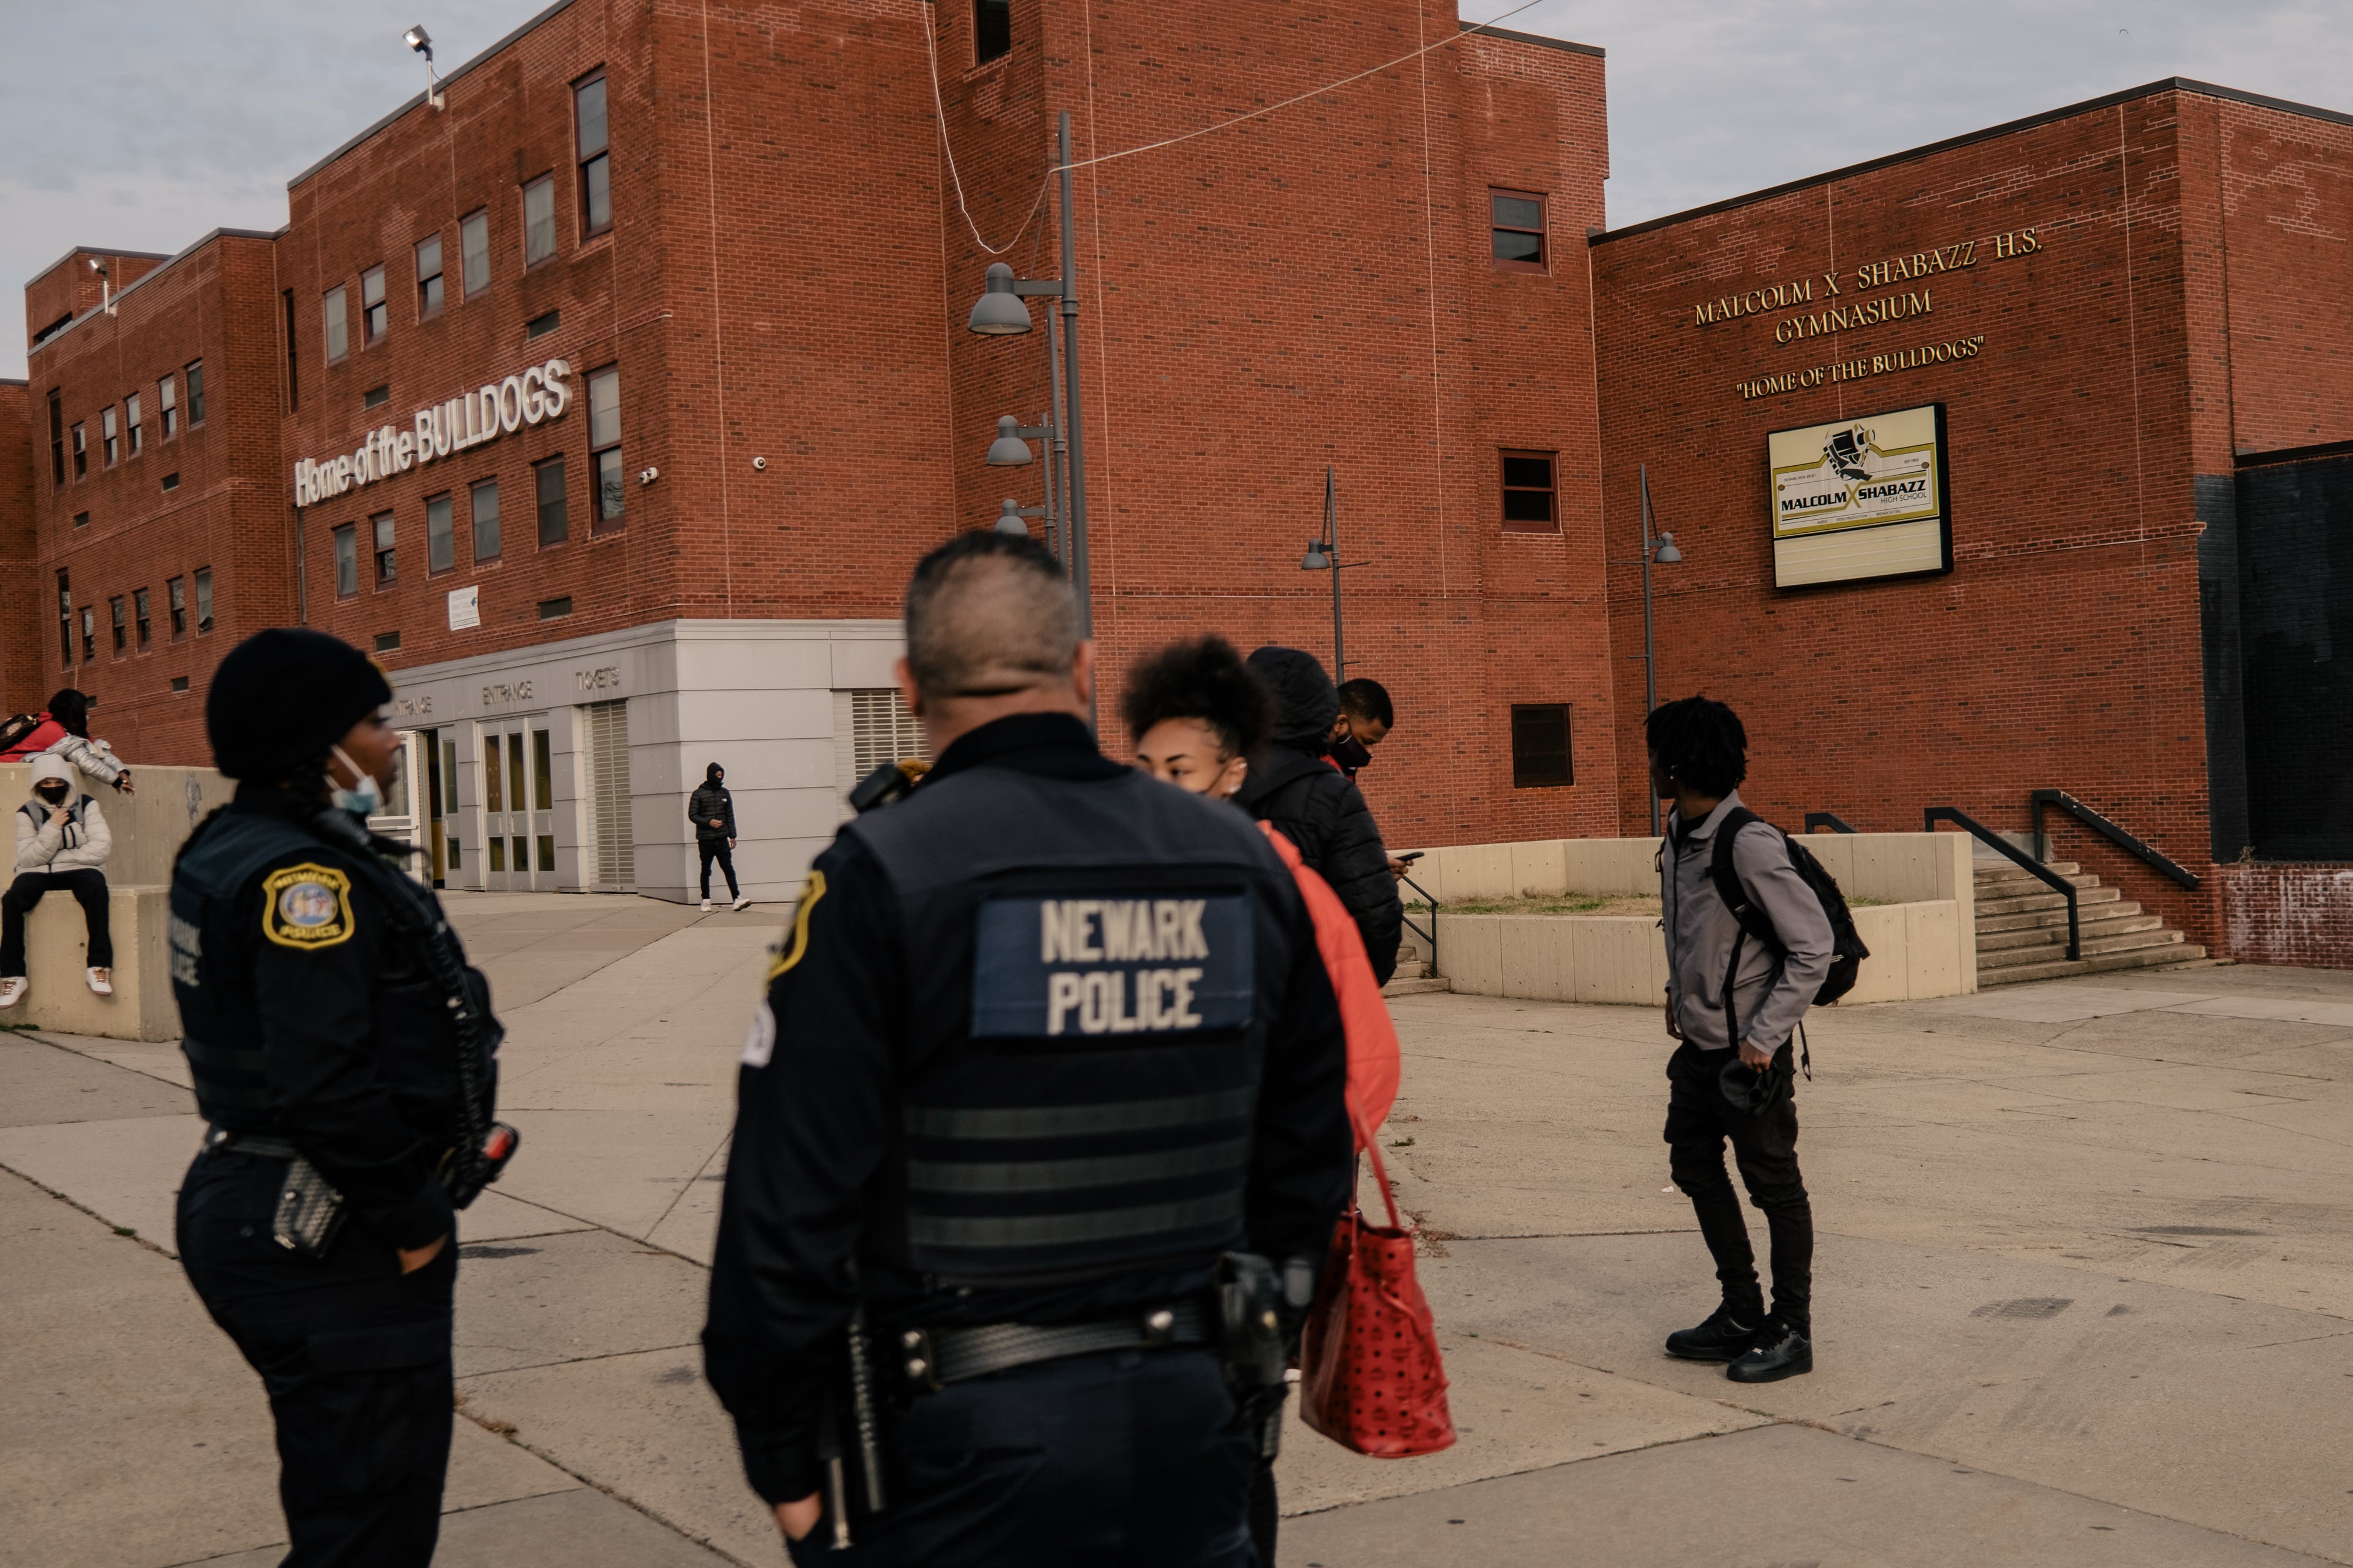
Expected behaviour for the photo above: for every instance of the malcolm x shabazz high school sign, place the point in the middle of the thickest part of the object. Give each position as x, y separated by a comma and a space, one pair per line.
470, 419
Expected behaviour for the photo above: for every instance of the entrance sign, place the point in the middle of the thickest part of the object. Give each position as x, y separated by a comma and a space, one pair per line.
1861, 498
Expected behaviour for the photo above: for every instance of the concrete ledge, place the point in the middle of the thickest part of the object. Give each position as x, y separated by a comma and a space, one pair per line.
56, 951
149, 825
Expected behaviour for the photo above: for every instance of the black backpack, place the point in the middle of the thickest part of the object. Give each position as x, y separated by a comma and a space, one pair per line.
16, 727
1847, 950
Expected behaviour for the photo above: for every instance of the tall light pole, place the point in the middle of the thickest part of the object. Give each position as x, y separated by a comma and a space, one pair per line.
1663, 550
1323, 555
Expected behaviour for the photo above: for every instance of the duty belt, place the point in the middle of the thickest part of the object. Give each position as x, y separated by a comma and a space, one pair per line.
931, 1359
221, 1141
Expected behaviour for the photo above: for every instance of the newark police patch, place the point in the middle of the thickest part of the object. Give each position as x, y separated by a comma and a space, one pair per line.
1060, 968
306, 906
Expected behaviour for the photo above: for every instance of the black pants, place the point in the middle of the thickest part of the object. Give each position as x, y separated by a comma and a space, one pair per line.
89, 888
716, 849
1764, 1147
1133, 1458
354, 1355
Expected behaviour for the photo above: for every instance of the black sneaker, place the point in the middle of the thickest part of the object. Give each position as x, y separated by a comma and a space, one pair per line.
1722, 1338
1779, 1352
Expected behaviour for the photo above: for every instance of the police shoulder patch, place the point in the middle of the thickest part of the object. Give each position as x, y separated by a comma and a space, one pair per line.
306, 906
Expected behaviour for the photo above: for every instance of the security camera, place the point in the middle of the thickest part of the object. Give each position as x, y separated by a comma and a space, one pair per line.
760, 465
647, 476
417, 38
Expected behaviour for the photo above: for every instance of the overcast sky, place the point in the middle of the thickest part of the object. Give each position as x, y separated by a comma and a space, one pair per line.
142, 125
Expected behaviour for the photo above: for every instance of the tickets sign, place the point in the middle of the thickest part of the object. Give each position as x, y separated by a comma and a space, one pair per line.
1859, 498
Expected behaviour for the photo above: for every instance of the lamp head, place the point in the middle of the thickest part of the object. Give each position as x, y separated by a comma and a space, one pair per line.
1008, 450
999, 312
1009, 518
98, 265
417, 38
1315, 560
1667, 554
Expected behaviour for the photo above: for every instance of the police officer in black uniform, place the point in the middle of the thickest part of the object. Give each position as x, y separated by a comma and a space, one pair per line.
342, 1054
1046, 1053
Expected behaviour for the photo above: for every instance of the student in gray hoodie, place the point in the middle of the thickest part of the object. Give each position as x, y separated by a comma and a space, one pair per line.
1722, 1086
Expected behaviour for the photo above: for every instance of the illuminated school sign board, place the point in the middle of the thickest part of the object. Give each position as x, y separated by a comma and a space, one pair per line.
1860, 499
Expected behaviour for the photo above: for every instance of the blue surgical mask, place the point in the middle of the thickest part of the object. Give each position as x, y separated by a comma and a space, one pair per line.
363, 802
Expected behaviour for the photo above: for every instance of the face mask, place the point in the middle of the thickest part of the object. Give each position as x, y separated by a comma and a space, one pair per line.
55, 795
1351, 752
363, 802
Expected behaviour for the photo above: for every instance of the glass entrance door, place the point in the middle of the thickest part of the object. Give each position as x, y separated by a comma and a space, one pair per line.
518, 808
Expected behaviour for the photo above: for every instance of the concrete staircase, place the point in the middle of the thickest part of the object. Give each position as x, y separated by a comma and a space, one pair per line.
2022, 928
1413, 975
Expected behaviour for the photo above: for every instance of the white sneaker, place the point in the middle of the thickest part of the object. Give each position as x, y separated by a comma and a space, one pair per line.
12, 989
706, 906
102, 981
742, 899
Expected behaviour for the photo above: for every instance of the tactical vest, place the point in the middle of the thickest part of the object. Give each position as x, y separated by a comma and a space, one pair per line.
1093, 968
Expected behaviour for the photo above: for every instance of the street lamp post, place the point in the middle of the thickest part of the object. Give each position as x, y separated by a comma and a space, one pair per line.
1662, 549
1323, 555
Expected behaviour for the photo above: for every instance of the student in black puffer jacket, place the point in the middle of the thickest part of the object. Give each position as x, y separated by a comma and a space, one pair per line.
712, 811
1293, 786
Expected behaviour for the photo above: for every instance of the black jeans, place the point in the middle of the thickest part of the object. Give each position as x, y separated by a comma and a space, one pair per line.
89, 888
353, 1353
1133, 1458
716, 849
1764, 1147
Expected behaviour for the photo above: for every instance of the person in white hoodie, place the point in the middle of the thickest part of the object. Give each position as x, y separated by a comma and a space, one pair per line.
62, 843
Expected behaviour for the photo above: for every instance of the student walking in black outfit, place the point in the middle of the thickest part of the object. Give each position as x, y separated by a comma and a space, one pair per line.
712, 811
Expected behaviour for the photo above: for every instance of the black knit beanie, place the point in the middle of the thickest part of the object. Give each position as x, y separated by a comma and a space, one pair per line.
282, 697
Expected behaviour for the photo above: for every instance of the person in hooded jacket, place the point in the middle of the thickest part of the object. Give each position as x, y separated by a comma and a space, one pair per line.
62, 843
712, 811
62, 729
1294, 785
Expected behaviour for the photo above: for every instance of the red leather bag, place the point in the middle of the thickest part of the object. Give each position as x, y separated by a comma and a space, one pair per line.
1371, 1378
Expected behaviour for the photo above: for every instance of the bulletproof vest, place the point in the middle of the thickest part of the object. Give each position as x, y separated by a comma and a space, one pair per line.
1093, 970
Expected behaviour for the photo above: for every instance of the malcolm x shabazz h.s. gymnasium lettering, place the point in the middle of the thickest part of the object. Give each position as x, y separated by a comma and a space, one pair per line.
1048, 966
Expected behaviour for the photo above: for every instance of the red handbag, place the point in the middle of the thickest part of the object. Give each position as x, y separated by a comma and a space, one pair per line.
1371, 1378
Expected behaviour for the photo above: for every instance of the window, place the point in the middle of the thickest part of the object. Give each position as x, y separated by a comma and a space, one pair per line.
339, 342
1540, 758
81, 451
596, 163
555, 525
179, 683
132, 429
1519, 230
542, 776
172, 481
195, 374
387, 642
539, 220
204, 600
376, 396
540, 326
440, 540
547, 851
498, 844
177, 592
57, 441
116, 613
486, 520
474, 250
347, 561
1527, 494
88, 633
495, 796
992, 29
555, 609
429, 277
387, 569
293, 356
82, 519
604, 438
376, 312
167, 404
107, 436
65, 619
139, 607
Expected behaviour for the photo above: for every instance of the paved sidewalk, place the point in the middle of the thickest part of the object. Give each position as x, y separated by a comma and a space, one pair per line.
2082, 1291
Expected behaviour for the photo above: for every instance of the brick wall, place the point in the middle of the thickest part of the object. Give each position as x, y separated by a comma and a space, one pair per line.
20, 606
2287, 914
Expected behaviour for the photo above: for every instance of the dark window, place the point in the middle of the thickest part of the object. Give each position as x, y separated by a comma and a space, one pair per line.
542, 777
140, 606
119, 614
195, 374
555, 522
376, 396
486, 520
204, 600
428, 277
547, 851
293, 358
171, 481
57, 440
596, 163
387, 642
167, 404
992, 29
440, 535
540, 326
347, 561
1528, 493
605, 441
474, 250
65, 618
106, 435
375, 310
81, 451
133, 429
538, 220
1519, 230
177, 592
82, 519
88, 633
1540, 757
179, 683
498, 854
555, 609
338, 323
387, 569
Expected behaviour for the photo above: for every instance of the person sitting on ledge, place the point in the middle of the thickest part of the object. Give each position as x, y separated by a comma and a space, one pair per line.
62, 842
62, 729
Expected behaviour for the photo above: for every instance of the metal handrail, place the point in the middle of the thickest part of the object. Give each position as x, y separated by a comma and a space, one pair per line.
2000, 846
2109, 830
1818, 820
1430, 935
